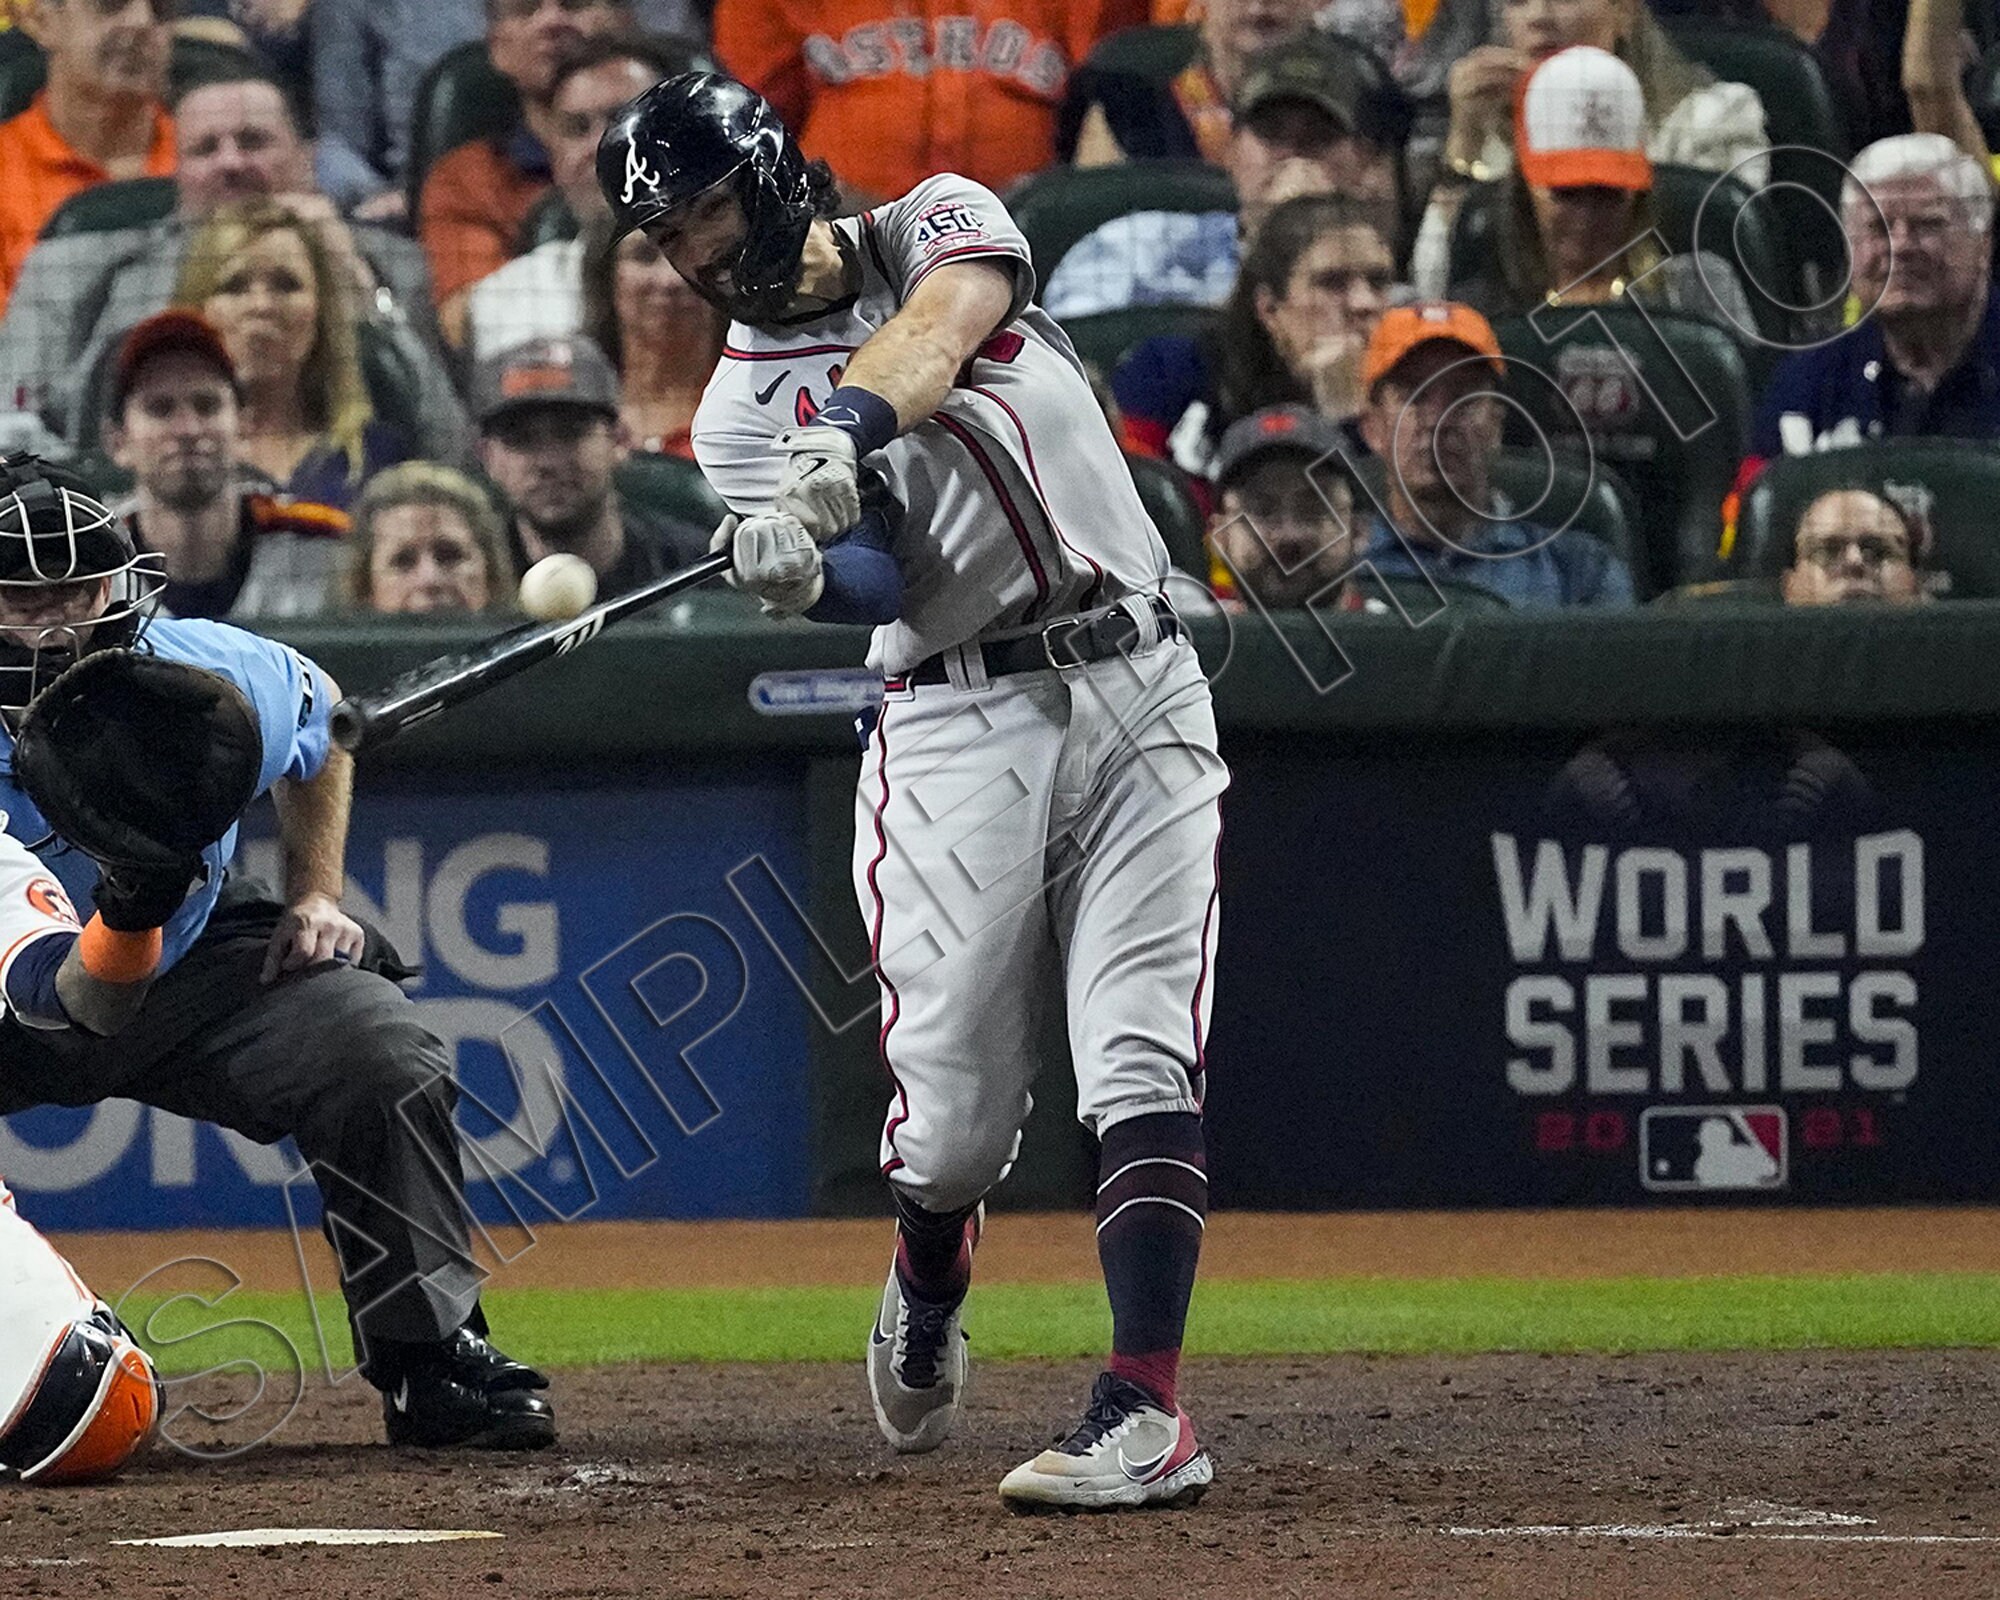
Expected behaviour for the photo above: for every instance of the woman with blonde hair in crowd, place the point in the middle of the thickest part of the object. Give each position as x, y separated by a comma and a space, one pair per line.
265, 278
662, 338
1691, 118
427, 540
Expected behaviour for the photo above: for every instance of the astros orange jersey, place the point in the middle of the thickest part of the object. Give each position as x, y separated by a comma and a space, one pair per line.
891, 92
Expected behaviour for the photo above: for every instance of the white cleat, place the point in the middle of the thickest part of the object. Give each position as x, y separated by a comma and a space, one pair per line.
1127, 1452
917, 1369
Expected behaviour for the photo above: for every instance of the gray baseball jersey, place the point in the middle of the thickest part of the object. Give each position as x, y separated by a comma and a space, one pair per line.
1018, 505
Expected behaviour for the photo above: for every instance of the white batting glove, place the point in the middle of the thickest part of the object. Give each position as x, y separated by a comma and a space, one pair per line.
821, 484
773, 558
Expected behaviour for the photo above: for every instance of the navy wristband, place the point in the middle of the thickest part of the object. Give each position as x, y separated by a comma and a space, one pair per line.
865, 417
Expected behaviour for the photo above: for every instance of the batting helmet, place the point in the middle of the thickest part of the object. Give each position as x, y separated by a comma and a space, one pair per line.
690, 134
54, 530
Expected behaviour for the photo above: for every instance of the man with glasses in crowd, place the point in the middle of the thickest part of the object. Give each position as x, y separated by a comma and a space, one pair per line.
100, 115
1856, 544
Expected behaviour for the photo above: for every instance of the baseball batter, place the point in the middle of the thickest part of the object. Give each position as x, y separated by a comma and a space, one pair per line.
910, 443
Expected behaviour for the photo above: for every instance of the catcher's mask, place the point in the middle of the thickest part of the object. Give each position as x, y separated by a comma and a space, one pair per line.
55, 533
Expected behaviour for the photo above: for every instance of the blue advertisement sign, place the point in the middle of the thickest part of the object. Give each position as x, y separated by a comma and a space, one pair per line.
627, 1042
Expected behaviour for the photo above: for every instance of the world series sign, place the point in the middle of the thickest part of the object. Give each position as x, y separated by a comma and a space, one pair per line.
1636, 970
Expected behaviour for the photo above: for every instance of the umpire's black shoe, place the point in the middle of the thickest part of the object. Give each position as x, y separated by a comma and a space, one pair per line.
463, 1394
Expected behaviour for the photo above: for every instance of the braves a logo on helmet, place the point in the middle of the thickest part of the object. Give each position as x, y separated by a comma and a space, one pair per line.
637, 173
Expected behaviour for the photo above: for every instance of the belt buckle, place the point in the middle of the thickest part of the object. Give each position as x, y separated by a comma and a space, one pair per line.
1074, 624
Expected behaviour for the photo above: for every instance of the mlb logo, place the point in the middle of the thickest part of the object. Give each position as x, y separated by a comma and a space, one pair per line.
1713, 1148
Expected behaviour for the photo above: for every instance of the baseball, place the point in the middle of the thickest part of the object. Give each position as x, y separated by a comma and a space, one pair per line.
557, 587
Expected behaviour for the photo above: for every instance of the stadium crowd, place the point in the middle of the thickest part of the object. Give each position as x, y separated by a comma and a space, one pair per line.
326, 289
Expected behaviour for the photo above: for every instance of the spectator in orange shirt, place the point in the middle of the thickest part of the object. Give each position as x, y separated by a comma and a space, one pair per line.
892, 93
475, 198
99, 118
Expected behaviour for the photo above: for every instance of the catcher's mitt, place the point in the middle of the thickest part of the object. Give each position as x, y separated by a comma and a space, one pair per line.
139, 762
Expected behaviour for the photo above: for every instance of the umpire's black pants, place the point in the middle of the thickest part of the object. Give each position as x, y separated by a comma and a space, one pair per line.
334, 1056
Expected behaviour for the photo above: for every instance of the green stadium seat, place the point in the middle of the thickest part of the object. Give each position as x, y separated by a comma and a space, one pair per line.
1104, 338
669, 487
21, 72
1058, 207
1673, 430
1730, 226
1163, 490
1558, 492
1150, 52
107, 207
1798, 111
461, 98
1963, 477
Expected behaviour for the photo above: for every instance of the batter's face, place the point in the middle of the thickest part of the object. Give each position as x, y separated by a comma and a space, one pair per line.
703, 240
425, 559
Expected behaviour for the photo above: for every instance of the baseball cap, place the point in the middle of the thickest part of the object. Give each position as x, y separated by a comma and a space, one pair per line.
1581, 122
544, 372
167, 333
1331, 73
1403, 328
1298, 430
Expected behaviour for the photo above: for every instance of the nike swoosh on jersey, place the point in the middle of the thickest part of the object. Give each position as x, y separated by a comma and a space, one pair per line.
401, 1399
764, 394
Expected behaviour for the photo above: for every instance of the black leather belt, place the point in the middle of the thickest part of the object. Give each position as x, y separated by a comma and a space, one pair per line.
1066, 643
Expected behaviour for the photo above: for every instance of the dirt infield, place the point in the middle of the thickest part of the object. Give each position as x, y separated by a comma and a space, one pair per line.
1059, 1248
1779, 1477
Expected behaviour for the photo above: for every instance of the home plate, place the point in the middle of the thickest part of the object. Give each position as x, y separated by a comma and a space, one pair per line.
241, 1538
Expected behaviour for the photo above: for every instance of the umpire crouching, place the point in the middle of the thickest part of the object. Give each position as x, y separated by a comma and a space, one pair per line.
271, 1017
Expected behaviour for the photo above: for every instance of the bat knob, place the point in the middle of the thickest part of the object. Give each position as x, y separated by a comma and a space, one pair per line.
348, 723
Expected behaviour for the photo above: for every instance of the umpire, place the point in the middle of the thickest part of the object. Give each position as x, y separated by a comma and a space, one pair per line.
271, 1017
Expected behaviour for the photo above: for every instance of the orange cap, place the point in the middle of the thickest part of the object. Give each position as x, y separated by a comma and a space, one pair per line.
1403, 328
1580, 123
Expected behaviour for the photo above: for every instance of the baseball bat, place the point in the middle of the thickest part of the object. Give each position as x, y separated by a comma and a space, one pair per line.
365, 720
